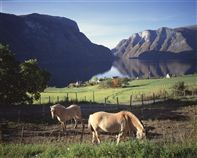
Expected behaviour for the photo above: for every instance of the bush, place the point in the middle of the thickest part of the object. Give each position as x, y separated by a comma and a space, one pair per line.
114, 83
179, 88
106, 83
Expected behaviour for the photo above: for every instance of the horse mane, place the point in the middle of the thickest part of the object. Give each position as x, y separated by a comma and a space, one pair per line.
131, 115
58, 105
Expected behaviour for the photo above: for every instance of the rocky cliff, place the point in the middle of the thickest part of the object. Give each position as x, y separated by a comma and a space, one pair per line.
58, 45
163, 43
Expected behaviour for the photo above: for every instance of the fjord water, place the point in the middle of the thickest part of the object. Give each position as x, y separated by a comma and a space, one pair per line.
133, 68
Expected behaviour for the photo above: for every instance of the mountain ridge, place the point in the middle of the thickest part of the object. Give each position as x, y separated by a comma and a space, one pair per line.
168, 42
58, 45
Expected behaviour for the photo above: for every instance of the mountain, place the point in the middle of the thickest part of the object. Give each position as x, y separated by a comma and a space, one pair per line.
164, 43
58, 45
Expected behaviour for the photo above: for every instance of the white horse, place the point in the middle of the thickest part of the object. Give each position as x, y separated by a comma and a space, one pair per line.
121, 122
64, 114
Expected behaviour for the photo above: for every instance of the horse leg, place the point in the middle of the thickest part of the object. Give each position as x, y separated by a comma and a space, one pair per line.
79, 118
93, 137
63, 126
118, 137
121, 132
97, 137
75, 126
82, 132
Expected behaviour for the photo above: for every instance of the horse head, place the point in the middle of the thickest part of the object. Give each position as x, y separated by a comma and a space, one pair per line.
137, 124
141, 134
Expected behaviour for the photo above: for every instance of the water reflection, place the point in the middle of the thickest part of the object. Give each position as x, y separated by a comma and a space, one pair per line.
147, 68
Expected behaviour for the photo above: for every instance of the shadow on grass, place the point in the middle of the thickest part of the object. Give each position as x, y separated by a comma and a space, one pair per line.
36, 116
41, 113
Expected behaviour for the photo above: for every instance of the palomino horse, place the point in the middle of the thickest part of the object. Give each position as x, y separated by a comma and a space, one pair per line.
64, 114
121, 122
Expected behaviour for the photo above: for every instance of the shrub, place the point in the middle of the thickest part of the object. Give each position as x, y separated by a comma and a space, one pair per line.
117, 82
106, 83
114, 83
179, 88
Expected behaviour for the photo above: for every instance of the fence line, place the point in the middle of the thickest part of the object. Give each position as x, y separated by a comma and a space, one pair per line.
132, 99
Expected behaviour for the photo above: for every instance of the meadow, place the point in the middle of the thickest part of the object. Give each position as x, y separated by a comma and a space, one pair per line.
170, 124
171, 133
131, 149
161, 87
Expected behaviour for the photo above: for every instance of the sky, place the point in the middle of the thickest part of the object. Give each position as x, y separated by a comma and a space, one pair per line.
107, 22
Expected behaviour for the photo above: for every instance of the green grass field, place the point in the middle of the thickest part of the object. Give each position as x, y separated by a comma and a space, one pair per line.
135, 88
128, 149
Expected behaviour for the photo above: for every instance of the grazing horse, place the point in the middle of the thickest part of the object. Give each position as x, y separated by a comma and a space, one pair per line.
64, 114
121, 122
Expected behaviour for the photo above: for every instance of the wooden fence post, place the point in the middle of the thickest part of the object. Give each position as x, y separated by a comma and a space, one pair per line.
105, 101
117, 100
93, 96
76, 97
43, 112
67, 99
153, 98
40, 101
131, 102
49, 100
142, 97
22, 134
165, 96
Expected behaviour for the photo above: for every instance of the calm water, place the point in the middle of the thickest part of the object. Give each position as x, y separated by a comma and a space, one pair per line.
133, 68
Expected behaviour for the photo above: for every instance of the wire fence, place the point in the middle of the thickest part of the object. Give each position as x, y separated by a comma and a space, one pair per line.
46, 129
35, 125
133, 99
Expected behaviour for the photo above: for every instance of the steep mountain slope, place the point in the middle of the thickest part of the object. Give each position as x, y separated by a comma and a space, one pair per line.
58, 45
160, 44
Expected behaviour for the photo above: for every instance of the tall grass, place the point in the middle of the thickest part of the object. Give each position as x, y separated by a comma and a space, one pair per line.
132, 149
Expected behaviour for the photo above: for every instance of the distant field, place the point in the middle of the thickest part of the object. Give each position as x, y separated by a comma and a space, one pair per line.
135, 88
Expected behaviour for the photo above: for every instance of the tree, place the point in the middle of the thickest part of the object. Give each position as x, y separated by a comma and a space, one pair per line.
35, 79
19, 83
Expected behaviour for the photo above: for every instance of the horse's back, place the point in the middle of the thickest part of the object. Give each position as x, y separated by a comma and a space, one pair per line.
74, 109
108, 122
58, 106
73, 106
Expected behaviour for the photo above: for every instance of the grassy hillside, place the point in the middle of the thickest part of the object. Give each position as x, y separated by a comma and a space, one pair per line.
135, 88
